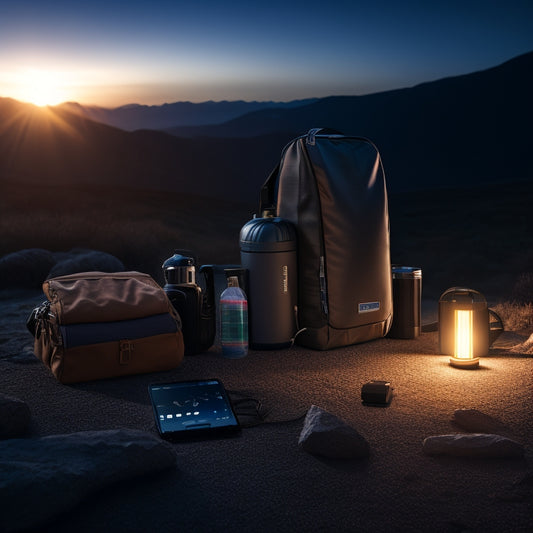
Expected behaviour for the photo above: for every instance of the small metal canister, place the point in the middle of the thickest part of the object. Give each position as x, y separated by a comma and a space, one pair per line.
406, 298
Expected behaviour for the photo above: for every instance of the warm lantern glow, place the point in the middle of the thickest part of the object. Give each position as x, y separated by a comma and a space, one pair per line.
463, 326
464, 334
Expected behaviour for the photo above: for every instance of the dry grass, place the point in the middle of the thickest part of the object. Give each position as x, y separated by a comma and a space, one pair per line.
476, 238
141, 228
515, 316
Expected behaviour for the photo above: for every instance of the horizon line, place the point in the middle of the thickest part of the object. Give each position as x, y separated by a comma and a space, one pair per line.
274, 101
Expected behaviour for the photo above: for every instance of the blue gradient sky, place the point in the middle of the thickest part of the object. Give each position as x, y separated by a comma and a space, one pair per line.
112, 53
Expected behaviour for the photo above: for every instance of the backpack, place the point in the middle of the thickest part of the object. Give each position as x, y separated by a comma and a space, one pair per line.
332, 188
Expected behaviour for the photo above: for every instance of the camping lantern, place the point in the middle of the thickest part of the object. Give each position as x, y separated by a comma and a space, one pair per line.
463, 326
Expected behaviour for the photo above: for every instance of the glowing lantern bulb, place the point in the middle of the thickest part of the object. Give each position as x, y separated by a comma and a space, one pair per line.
463, 334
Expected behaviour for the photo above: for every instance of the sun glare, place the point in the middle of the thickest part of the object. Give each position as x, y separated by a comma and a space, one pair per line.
42, 88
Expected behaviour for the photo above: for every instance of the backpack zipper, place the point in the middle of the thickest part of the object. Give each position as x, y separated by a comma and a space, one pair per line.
323, 287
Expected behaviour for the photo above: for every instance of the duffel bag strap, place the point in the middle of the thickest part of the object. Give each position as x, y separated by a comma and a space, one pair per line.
37, 315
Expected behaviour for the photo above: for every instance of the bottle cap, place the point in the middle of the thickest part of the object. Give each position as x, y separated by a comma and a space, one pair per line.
233, 281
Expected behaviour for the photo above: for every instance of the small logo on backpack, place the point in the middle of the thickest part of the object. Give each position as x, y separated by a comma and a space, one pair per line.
368, 307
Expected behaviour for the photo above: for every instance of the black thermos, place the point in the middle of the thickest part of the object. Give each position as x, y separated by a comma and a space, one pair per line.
195, 307
268, 252
406, 301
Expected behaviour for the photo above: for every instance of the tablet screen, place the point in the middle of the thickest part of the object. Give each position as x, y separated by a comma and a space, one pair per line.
192, 407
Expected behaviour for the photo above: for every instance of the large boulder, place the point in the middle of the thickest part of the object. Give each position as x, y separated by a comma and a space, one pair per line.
43, 477
25, 268
80, 260
14, 417
29, 268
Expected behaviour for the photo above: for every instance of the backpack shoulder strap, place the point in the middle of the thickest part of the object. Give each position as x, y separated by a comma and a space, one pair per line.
268, 192
269, 189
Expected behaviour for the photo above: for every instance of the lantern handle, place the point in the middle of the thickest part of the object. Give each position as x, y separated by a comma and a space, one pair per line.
495, 326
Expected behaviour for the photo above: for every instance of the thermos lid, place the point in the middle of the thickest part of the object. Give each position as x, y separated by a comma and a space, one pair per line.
270, 234
179, 269
178, 260
406, 272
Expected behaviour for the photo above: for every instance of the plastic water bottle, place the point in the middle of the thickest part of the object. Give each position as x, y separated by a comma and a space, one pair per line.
234, 320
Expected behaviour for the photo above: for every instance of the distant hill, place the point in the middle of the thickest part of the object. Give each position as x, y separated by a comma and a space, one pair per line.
160, 117
51, 145
462, 131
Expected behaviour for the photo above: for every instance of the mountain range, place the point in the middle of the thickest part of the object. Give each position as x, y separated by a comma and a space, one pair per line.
466, 130
178, 114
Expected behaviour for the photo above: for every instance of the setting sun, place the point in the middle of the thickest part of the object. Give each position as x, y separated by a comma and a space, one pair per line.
41, 87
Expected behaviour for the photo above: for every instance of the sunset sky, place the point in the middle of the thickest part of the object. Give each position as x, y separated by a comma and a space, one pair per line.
112, 53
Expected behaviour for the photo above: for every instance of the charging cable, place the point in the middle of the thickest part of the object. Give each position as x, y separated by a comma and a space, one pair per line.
251, 411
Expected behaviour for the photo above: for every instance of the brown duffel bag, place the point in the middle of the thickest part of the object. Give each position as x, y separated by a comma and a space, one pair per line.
98, 325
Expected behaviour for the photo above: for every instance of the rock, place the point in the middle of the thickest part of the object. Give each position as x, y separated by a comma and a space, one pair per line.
25, 268
14, 417
326, 435
478, 422
16, 342
81, 260
46, 476
472, 445
525, 347
29, 268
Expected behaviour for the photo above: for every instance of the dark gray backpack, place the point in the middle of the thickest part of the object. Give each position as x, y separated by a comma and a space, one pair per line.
332, 188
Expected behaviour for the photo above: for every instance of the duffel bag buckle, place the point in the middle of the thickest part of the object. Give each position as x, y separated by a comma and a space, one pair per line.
126, 349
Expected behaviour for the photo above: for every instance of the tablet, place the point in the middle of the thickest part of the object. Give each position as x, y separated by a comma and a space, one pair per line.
185, 409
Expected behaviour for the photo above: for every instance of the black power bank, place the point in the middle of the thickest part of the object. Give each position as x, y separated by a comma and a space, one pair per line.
376, 393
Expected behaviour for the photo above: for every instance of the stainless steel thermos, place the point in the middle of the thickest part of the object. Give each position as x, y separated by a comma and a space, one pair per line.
268, 252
